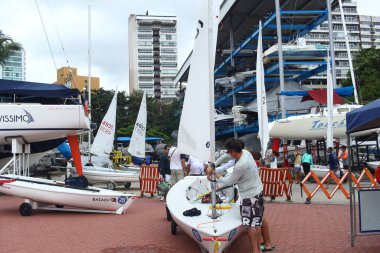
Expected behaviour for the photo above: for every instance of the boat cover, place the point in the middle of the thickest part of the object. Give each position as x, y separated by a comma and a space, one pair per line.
364, 118
41, 90
292, 104
320, 96
343, 92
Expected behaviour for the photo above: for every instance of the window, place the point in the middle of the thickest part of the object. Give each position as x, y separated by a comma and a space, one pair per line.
85, 81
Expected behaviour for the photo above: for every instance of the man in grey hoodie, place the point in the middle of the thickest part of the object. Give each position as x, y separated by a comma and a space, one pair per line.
246, 176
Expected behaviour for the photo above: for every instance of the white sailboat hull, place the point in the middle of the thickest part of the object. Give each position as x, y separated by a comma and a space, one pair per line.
104, 175
319, 170
311, 126
227, 228
373, 165
55, 193
37, 122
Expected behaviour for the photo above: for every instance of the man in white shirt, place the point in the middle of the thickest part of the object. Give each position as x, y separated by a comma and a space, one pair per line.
177, 165
195, 166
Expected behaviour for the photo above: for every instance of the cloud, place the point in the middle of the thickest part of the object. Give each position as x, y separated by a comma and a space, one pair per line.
109, 34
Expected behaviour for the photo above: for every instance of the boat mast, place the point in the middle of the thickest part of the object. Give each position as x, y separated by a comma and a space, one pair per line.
348, 52
89, 75
211, 102
330, 90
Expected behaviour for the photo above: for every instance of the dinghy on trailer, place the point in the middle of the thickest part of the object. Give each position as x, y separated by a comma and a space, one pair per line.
213, 230
72, 195
42, 194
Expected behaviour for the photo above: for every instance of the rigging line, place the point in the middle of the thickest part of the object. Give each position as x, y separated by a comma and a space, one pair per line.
58, 34
60, 41
47, 38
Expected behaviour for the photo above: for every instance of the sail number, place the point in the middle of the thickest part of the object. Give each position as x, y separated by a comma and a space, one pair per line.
106, 127
140, 128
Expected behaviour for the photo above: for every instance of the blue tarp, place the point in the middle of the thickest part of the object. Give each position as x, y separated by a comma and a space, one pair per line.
364, 118
126, 139
65, 150
343, 92
41, 90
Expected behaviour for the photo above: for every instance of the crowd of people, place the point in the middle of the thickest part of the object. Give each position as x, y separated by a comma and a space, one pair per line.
174, 166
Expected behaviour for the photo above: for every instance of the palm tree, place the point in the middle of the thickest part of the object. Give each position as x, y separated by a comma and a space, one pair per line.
7, 46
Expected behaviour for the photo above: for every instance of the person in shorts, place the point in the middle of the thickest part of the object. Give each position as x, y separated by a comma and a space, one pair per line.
246, 176
297, 164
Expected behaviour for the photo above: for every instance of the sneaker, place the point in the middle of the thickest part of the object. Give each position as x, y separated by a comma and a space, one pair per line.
162, 198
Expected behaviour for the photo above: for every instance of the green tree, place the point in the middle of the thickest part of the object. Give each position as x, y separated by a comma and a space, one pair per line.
163, 117
7, 46
367, 69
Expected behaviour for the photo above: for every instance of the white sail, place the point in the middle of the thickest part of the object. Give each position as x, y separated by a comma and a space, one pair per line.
196, 135
137, 144
330, 120
261, 97
103, 142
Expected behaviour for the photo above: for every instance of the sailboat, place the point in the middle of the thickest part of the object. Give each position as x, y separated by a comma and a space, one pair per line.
213, 234
137, 144
102, 147
316, 124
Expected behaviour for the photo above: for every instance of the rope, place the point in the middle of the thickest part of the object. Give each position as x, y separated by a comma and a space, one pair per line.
58, 34
47, 38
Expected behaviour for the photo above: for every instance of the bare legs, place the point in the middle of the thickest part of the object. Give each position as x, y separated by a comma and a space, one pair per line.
265, 234
253, 235
297, 177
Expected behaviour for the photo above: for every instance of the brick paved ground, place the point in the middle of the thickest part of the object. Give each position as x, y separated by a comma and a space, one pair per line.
144, 229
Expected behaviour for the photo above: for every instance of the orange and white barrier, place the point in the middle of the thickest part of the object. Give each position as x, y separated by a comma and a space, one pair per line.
149, 179
339, 183
276, 182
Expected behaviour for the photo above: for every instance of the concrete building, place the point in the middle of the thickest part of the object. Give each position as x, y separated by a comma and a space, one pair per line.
369, 31
69, 77
153, 55
14, 68
362, 31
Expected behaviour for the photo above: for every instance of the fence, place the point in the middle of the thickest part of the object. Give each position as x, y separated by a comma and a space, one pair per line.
339, 183
276, 182
149, 179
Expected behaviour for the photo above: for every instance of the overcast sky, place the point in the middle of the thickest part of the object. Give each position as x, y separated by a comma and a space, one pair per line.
20, 20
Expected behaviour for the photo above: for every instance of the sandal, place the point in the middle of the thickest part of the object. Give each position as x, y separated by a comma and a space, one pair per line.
264, 248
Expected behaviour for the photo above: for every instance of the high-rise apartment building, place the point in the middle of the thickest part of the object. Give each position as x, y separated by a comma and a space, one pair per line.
14, 68
369, 31
362, 31
153, 55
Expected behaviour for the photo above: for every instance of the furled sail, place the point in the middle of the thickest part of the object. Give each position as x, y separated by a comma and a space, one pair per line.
261, 97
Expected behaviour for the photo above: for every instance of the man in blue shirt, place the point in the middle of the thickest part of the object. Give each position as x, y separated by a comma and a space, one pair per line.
333, 164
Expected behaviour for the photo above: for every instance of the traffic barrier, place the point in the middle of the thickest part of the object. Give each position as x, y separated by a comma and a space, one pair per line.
339, 183
276, 182
149, 179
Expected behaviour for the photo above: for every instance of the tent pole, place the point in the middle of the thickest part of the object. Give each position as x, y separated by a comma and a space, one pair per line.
351, 191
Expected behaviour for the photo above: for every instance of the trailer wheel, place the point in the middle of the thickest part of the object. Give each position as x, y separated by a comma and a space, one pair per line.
127, 185
173, 227
111, 186
168, 215
25, 209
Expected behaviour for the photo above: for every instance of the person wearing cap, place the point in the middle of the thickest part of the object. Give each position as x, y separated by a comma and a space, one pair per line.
297, 164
